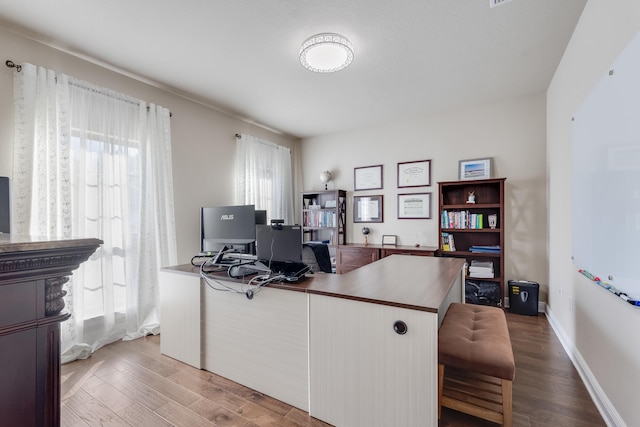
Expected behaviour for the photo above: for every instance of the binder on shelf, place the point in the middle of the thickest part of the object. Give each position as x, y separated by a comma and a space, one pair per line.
490, 249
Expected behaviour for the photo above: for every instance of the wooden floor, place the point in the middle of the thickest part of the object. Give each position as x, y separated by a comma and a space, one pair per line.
132, 384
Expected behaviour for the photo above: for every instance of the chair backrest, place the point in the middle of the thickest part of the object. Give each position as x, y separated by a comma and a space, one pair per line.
321, 255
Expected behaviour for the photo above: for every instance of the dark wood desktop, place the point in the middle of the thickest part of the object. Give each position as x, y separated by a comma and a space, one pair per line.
355, 255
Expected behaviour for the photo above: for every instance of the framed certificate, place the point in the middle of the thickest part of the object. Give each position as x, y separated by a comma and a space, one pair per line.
367, 209
367, 178
414, 206
414, 174
389, 239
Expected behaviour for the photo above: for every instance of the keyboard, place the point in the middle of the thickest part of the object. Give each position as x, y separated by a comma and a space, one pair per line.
241, 256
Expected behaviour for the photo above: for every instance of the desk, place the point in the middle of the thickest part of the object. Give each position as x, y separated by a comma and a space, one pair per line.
326, 345
32, 274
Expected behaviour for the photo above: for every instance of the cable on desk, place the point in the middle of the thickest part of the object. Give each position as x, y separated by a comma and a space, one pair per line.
249, 289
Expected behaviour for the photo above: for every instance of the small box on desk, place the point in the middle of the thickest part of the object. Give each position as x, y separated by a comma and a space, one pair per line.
523, 297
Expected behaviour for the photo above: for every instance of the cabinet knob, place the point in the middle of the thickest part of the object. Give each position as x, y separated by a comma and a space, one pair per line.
400, 327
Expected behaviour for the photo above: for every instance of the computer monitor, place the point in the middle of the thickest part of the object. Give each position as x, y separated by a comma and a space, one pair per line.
279, 243
231, 226
261, 217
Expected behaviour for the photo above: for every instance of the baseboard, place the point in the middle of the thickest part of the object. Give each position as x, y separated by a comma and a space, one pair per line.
608, 412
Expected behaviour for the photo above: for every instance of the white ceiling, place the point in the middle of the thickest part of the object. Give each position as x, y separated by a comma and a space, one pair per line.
411, 56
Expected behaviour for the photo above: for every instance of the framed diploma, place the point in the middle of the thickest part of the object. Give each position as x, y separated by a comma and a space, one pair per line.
414, 174
367, 178
414, 206
367, 209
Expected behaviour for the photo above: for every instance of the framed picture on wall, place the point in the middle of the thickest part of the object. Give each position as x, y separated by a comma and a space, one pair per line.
475, 169
414, 174
367, 208
367, 178
414, 206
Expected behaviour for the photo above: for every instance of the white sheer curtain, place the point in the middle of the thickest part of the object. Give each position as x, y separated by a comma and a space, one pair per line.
263, 177
90, 162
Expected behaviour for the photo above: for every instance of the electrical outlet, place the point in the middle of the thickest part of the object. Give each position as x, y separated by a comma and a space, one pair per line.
571, 305
560, 292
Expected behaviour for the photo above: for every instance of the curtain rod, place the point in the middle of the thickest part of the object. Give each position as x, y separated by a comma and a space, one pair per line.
267, 143
9, 63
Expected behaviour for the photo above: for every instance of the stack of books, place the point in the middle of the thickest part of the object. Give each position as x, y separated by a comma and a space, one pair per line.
481, 269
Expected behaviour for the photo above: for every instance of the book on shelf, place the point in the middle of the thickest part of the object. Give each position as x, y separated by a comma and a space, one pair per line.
448, 243
318, 218
462, 219
445, 242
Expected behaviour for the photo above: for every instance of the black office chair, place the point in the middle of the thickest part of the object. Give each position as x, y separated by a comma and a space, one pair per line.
321, 259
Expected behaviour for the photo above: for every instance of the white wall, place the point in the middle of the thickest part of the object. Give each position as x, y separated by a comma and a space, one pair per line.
511, 131
598, 329
203, 139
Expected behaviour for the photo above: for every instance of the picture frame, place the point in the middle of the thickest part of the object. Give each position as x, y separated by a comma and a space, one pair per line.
389, 239
414, 206
368, 208
367, 178
414, 174
472, 169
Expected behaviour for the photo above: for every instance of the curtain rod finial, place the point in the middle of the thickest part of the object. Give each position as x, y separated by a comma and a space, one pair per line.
9, 63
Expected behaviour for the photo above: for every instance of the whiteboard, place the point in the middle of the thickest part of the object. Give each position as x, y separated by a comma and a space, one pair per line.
606, 176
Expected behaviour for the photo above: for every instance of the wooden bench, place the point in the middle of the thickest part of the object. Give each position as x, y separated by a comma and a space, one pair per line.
475, 363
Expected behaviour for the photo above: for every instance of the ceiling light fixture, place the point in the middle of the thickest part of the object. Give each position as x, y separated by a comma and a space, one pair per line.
326, 53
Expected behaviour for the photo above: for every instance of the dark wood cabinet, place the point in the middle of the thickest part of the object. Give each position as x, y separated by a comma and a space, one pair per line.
350, 257
354, 255
32, 274
467, 226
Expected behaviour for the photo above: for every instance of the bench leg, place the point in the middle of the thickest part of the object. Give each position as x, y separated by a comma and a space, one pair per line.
507, 393
440, 387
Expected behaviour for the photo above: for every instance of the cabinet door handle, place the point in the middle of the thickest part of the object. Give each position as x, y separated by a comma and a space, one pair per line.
400, 327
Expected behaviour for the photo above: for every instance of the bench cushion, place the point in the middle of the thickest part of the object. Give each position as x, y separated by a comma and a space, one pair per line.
476, 338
